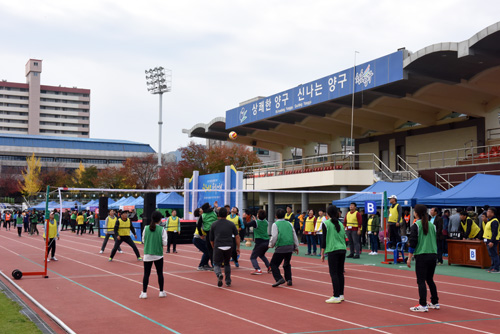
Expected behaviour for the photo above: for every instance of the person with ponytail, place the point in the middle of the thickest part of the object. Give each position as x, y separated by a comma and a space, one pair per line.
155, 238
333, 244
424, 246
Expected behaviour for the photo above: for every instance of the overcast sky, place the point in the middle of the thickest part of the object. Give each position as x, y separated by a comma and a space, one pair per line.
221, 52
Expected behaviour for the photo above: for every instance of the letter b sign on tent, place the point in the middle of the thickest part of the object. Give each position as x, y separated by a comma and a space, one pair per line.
370, 207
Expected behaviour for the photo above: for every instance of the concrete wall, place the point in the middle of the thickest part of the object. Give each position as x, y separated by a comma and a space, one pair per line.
440, 141
366, 162
315, 179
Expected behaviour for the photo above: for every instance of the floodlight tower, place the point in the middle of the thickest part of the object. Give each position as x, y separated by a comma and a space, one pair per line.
159, 81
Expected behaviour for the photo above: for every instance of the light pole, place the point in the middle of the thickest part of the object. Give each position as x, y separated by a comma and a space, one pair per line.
159, 81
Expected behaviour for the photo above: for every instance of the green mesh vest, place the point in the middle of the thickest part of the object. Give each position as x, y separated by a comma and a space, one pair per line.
260, 232
285, 233
334, 240
153, 243
427, 244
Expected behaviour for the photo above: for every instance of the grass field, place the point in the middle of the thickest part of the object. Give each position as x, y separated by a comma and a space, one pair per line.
12, 321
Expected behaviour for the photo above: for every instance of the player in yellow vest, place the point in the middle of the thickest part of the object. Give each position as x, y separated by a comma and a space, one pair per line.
468, 228
52, 233
353, 222
122, 229
109, 226
173, 230
491, 237
394, 221
237, 221
309, 225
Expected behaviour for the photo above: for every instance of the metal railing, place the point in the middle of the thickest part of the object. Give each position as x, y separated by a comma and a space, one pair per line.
405, 166
446, 181
456, 157
328, 162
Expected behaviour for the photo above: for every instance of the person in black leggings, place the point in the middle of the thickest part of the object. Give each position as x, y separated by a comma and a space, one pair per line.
155, 238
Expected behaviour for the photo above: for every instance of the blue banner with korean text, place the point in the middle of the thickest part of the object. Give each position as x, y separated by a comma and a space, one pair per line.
378, 72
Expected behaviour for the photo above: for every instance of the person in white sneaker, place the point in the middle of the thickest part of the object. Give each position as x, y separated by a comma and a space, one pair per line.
155, 238
333, 244
373, 227
424, 245
53, 233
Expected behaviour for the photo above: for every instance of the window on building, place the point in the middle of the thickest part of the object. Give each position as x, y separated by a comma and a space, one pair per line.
35, 74
35, 63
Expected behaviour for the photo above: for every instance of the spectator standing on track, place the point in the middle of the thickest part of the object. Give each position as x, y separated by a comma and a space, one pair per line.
318, 227
289, 216
19, 222
8, 218
438, 223
173, 230
79, 223
309, 224
373, 227
446, 222
155, 238
333, 245
53, 233
285, 240
238, 222
65, 220
297, 225
91, 222
109, 225
222, 233
199, 237
72, 220
122, 229
394, 221
34, 223
261, 236
491, 237
26, 221
353, 222
423, 244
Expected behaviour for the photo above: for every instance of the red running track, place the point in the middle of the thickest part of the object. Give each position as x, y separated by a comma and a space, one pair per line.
91, 295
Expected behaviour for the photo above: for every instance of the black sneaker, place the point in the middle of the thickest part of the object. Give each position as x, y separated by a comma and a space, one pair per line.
289, 283
355, 257
350, 256
278, 283
220, 278
228, 284
168, 252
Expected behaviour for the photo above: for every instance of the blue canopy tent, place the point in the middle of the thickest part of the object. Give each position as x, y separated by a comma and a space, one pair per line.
138, 201
408, 193
120, 202
171, 201
479, 190
41, 206
159, 198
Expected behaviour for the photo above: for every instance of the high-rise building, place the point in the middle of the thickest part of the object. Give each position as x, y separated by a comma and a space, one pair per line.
35, 109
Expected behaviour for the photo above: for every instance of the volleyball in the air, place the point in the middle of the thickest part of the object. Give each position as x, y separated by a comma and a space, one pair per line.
233, 135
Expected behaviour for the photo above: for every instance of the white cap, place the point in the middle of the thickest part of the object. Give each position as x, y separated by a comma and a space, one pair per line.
393, 196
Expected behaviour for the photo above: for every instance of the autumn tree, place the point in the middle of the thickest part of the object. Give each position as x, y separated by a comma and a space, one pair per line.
77, 175
217, 157
55, 176
193, 158
31, 183
9, 184
142, 170
170, 176
89, 177
113, 178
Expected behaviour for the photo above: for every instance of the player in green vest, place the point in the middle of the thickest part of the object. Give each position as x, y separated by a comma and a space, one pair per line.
424, 246
333, 244
155, 238
261, 241
285, 240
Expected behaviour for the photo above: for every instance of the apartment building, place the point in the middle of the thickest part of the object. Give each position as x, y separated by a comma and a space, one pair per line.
34, 109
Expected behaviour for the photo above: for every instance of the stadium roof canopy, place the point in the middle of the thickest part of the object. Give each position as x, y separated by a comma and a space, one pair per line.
424, 88
73, 143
